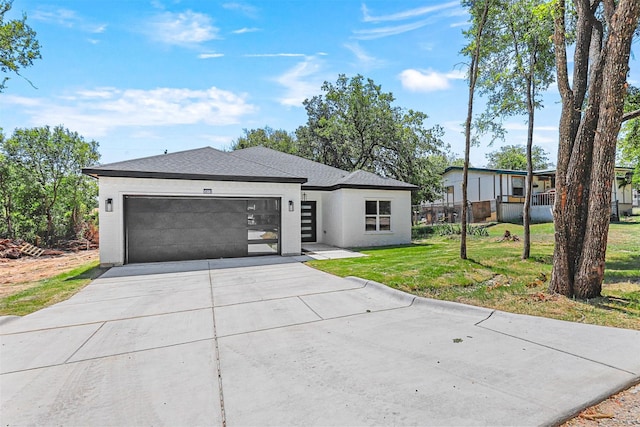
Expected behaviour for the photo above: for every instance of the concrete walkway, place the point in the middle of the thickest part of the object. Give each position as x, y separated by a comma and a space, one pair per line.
270, 341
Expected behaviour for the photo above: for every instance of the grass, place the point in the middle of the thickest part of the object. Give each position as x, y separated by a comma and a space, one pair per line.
494, 276
49, 291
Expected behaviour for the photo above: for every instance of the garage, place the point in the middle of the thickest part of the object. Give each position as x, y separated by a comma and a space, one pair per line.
183, 228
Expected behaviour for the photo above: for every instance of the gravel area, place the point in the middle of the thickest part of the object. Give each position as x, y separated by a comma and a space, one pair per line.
622, 409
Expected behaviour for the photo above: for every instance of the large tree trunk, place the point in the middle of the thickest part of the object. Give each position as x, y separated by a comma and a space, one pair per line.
587, 144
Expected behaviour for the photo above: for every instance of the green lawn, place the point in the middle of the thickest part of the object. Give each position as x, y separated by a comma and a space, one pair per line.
494, 276
50, 291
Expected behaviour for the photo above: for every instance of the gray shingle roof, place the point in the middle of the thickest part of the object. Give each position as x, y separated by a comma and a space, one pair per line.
203, 163
319, 176
255, 164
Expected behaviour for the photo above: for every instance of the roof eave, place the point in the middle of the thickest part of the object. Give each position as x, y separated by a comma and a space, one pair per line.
96, 173
408, 187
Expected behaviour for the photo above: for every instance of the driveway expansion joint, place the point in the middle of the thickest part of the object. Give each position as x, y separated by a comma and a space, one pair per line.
217, 352
635, 374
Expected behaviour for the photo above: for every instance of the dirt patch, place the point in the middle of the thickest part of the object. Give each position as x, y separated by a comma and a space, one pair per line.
19, 274
622, 409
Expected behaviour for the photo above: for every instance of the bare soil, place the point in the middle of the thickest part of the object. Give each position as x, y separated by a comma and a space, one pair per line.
22, 273
622, 409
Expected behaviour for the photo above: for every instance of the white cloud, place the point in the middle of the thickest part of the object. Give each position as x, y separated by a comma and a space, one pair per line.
210, 55
274, 55
365, 60
66, 18
94, 112
186, 28
407, 14
246, 30
377, 33
301, 82
428, 81
244, 8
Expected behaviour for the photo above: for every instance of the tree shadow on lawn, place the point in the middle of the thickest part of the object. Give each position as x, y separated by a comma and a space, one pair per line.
628, 306
630, 262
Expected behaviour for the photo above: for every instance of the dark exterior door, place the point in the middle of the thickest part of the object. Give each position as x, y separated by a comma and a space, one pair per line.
186, 228
308, 221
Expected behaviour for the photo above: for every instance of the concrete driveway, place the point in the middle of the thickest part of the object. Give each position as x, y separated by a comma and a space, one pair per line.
270, 341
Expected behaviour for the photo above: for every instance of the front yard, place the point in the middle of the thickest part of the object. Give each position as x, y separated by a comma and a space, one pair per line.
495, 277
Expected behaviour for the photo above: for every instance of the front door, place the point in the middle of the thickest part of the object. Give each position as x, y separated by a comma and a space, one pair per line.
308, 221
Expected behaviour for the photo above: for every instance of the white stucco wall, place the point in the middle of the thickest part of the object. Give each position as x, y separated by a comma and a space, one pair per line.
344, 218
112, 223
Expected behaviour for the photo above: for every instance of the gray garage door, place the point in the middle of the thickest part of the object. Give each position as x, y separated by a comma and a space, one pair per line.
186, 228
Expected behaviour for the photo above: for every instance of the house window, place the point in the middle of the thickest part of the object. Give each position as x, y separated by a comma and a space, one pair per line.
378, 215
518, 185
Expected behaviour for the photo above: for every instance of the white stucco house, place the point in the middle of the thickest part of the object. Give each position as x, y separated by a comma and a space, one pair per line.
206, 203
499, 194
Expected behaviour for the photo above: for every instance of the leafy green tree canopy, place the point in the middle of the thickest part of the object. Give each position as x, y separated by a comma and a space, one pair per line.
279, 140
43, 190
514, 157
18, 44
629, 142
354, 125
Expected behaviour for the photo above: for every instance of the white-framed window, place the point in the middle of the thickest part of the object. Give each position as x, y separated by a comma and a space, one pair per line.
518, 185
377, 215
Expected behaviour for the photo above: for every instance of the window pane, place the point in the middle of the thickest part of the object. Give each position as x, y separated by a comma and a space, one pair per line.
370, 223
371, 207
385, 208
385, 223
518, 181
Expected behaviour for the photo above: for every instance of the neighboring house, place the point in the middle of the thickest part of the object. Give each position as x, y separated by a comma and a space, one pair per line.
206, 203
499, 195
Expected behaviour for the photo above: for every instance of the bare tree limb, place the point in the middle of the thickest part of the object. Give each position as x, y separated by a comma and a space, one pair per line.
630, 115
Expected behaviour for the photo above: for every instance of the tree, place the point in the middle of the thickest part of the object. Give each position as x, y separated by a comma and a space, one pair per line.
629, 143
355, 126
599, 32
475, 50
517, 67
279, 140
18, 44
514, 157
43, 167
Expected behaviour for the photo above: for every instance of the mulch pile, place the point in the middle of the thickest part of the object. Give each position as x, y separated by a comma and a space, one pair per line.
10, 248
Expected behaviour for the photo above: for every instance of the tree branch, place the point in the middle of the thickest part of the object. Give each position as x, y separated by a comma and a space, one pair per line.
630, 115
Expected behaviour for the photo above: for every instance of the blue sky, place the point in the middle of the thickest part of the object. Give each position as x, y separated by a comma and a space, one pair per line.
141, 77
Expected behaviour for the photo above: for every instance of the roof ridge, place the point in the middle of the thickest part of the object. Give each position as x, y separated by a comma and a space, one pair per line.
208, 147
233, 153
292, 155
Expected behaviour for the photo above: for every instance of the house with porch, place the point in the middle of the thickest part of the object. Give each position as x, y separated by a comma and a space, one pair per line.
499, 195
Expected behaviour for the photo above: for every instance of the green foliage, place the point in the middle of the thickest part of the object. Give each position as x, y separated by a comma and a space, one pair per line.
514, 157
355, 125
43, 192
18, 44
447, 229
629, 142
279, 140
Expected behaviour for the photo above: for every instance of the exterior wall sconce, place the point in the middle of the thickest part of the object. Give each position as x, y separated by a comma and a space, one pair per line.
108, 205
290, 205
207, 191
304, 197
